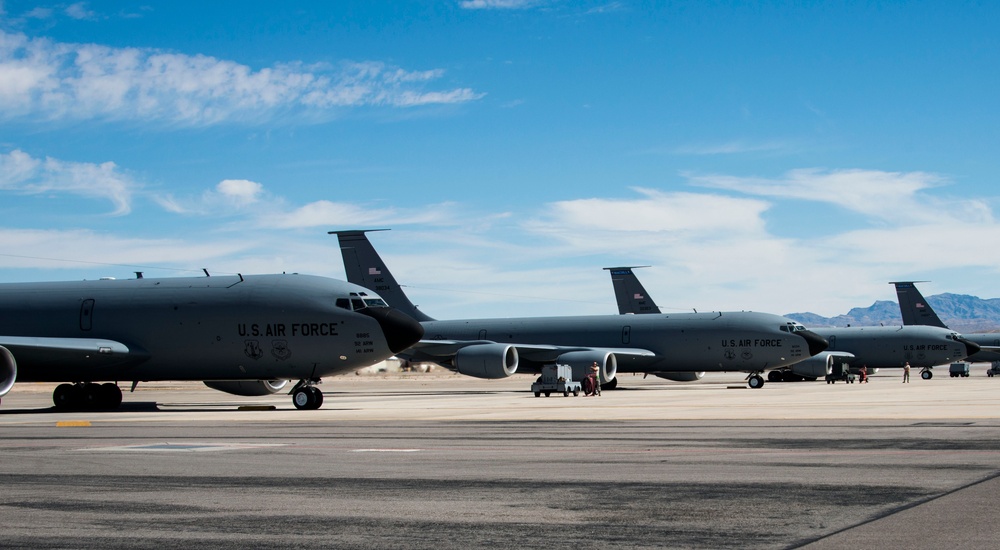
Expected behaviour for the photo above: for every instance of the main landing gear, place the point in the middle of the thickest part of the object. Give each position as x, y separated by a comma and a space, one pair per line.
87, 396
306, 396
755, 380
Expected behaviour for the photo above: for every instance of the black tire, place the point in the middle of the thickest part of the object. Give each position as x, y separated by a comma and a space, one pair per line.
927, 375
302, 398
547, 394
65, 397
317, 396
538, 394
110, 396
755, 382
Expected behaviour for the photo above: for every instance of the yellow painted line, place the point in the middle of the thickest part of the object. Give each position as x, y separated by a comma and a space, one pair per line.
73, 424
256, 408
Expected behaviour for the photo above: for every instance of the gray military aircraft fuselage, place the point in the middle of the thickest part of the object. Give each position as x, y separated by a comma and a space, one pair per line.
875, 347
497, 348
893, 346
240, 334
917, 311
715, 341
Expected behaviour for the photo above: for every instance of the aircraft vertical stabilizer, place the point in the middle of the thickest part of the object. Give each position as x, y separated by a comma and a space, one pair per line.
629, 293
914, 308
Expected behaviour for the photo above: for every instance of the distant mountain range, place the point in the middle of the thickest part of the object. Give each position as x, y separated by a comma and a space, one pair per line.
960, 312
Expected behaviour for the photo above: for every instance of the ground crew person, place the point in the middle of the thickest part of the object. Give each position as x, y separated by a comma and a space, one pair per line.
595, 371
906, 372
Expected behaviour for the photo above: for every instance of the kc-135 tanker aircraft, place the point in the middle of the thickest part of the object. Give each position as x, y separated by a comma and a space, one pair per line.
246, 335
673, 344
876, 347
916, 311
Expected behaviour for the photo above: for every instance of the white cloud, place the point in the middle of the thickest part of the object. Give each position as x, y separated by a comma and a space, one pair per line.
42, 78
79, 11
889, 196
498, 4
241, 192
22, 173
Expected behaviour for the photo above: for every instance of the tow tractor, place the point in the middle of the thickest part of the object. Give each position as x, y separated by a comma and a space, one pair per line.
556, 378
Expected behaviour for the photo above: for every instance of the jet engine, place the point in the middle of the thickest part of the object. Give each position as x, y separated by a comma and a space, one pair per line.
581, 361
248, 388
681, 376
487, 360
821, 364
8, 371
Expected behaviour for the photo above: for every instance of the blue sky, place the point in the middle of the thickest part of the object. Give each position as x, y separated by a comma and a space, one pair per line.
773, 156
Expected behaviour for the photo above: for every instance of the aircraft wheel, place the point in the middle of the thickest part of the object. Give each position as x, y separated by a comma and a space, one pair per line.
611, 384
756, 381
927, 375
64, 396
775, 376
110, 396
302, 398
317, 396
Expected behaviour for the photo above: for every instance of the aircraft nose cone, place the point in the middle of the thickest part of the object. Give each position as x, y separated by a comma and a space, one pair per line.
400, 330
971, 348
816, 342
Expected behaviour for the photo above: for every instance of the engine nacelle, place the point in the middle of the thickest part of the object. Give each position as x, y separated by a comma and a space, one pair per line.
8, 371
821, 364
489, 361
248, 388
681, 376
581, 361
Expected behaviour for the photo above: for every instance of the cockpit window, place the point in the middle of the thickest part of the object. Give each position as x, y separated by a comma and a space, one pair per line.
792, 327
356, 302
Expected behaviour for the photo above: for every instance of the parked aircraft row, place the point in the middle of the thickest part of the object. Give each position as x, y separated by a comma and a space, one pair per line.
252, 335
876, 347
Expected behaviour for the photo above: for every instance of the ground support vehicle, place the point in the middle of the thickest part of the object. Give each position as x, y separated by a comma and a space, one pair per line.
556, 378
994, 369
959, 369
840, 371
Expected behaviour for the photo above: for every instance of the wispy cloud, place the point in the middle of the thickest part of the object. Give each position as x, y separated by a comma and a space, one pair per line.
50, 80
498, 4
731, 148
895, 196
22, 173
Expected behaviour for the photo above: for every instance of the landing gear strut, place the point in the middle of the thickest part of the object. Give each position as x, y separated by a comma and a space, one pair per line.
306, 396
87, 396
755, 380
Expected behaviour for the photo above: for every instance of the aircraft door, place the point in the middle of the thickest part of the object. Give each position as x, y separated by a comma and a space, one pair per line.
87, 314
626, 334
833, 343
482, 334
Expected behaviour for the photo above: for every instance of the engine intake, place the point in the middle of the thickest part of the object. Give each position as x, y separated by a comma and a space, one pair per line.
489, 361
8, 371
581, 361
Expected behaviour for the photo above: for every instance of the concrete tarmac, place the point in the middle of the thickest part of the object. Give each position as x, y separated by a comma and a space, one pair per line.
444, 461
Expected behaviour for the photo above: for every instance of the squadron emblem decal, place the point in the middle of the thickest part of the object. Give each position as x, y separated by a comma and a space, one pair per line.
280, 350
252, 349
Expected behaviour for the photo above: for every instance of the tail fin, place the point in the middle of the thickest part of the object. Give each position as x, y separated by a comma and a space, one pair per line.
365, 267
631, 296
914, 308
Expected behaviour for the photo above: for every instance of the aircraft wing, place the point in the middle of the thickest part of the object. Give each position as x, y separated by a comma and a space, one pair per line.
539, 353
44, 351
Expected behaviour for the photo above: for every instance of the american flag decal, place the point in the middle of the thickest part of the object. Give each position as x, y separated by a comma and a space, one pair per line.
374, 271
919, 305
638, 296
